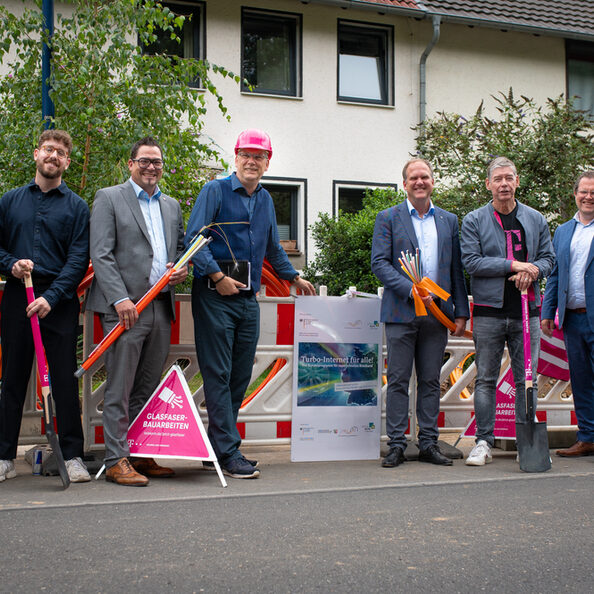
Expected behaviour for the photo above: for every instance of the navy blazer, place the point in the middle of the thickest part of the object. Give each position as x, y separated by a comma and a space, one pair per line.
393, 233
558, 282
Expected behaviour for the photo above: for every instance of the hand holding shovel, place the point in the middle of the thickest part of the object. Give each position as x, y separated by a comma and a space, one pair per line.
531, 437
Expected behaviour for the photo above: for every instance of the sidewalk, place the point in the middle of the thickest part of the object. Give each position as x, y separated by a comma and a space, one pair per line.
278, 475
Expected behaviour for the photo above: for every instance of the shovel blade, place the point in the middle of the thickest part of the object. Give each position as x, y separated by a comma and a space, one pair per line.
533, 447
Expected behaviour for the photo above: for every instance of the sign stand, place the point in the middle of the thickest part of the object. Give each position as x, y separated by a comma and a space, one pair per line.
169, 426
505, 410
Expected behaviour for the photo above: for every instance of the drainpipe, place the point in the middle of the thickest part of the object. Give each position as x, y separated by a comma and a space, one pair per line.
436, 19
47, 105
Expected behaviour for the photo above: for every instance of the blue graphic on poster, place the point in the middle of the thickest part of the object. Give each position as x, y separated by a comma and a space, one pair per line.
337, 374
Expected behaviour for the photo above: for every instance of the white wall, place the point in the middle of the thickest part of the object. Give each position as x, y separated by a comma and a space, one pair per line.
319, 139
316, 138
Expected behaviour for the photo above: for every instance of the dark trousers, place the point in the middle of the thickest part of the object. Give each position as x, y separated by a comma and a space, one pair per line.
579, 340
59, 333
226, 331
423, 343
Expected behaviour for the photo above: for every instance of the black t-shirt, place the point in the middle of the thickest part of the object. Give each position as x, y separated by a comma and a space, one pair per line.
515, 239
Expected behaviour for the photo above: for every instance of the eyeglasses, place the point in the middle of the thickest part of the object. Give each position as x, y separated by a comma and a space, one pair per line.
50, 150
257, 157
143, 163
584, 193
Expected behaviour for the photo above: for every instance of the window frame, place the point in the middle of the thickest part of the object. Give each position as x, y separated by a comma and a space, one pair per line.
295, 49
387, 81
298, 209
197, 9
337, 184
578, 51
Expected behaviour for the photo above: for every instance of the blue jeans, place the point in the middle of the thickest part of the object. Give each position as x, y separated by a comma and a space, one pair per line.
579, 340
226, 330
490, 336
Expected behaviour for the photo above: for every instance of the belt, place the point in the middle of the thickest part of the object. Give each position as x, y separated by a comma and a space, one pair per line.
577, 310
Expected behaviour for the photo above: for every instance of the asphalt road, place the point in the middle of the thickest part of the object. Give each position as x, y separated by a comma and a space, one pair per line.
508, 533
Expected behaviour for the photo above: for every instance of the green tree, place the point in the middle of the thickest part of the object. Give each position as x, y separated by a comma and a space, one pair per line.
344, 245
108, 93
549, 144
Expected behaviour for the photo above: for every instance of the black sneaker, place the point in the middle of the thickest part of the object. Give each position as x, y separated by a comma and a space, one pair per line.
254, 463
208, 465
240, 468
394, 458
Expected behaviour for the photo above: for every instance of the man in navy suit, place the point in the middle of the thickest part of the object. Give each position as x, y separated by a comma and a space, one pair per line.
571, 289
417, 223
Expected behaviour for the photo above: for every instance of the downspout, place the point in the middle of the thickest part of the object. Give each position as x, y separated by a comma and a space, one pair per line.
436, 19
47, 105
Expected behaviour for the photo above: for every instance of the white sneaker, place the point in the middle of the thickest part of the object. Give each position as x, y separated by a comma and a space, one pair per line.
7, 470
77, 471
480, 454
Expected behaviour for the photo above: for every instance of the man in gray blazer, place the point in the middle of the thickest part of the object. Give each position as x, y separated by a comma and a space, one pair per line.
136, 233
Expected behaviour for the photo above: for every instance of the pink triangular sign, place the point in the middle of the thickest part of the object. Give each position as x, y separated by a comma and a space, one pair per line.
169, 425
505, 410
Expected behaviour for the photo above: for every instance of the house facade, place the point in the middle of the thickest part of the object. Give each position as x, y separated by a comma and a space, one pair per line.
339, 84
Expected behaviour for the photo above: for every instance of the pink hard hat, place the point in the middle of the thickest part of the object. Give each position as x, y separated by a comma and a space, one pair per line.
254, 139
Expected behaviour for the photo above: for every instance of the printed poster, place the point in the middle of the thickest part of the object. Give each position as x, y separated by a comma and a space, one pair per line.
336, 379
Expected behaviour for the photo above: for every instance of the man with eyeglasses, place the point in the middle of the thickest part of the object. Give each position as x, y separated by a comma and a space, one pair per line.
238, 214
44, 231
137, 232
570, 289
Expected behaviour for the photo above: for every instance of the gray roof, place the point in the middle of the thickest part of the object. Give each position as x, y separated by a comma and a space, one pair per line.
563, 18
569, 17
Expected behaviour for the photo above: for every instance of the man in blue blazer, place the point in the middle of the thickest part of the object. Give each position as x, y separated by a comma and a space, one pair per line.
417, 223
570, 288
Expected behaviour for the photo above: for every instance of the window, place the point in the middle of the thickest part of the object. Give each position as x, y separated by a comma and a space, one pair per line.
580, 74
365, 63
348, 195
271, 52
288, 196
192, 34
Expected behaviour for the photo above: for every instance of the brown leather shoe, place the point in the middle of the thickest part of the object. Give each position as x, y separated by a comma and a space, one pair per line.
579, 448
122, 473
149, 467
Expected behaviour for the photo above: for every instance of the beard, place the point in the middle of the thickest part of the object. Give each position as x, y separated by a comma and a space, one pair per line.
50, 174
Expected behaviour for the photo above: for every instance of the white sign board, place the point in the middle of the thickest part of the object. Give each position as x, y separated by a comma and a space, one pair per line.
336, 379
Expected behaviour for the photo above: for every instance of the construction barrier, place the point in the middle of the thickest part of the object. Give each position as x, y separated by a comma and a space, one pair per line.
265, 417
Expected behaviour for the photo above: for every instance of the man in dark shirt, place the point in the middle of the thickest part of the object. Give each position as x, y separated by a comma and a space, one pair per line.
44, 230
240, 217
506, 248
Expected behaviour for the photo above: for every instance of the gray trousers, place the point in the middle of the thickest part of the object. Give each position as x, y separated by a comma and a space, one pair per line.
423, 341
134, 365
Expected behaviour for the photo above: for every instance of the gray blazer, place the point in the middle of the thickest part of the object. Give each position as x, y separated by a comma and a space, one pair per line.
121, 251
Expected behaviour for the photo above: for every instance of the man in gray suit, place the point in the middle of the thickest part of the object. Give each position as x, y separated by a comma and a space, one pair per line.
136, 233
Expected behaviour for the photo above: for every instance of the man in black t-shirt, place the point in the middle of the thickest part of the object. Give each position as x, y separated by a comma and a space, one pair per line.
506, 248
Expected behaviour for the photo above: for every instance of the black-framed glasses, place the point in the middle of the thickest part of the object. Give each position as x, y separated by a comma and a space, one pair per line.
143, 163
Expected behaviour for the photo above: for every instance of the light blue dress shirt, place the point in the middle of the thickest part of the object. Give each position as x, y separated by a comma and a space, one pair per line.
578, 258
151, 211
426, 233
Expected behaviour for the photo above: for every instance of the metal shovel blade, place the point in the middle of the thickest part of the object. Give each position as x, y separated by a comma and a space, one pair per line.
532, 442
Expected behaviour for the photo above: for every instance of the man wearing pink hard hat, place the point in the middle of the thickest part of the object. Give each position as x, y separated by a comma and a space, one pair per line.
241, 220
